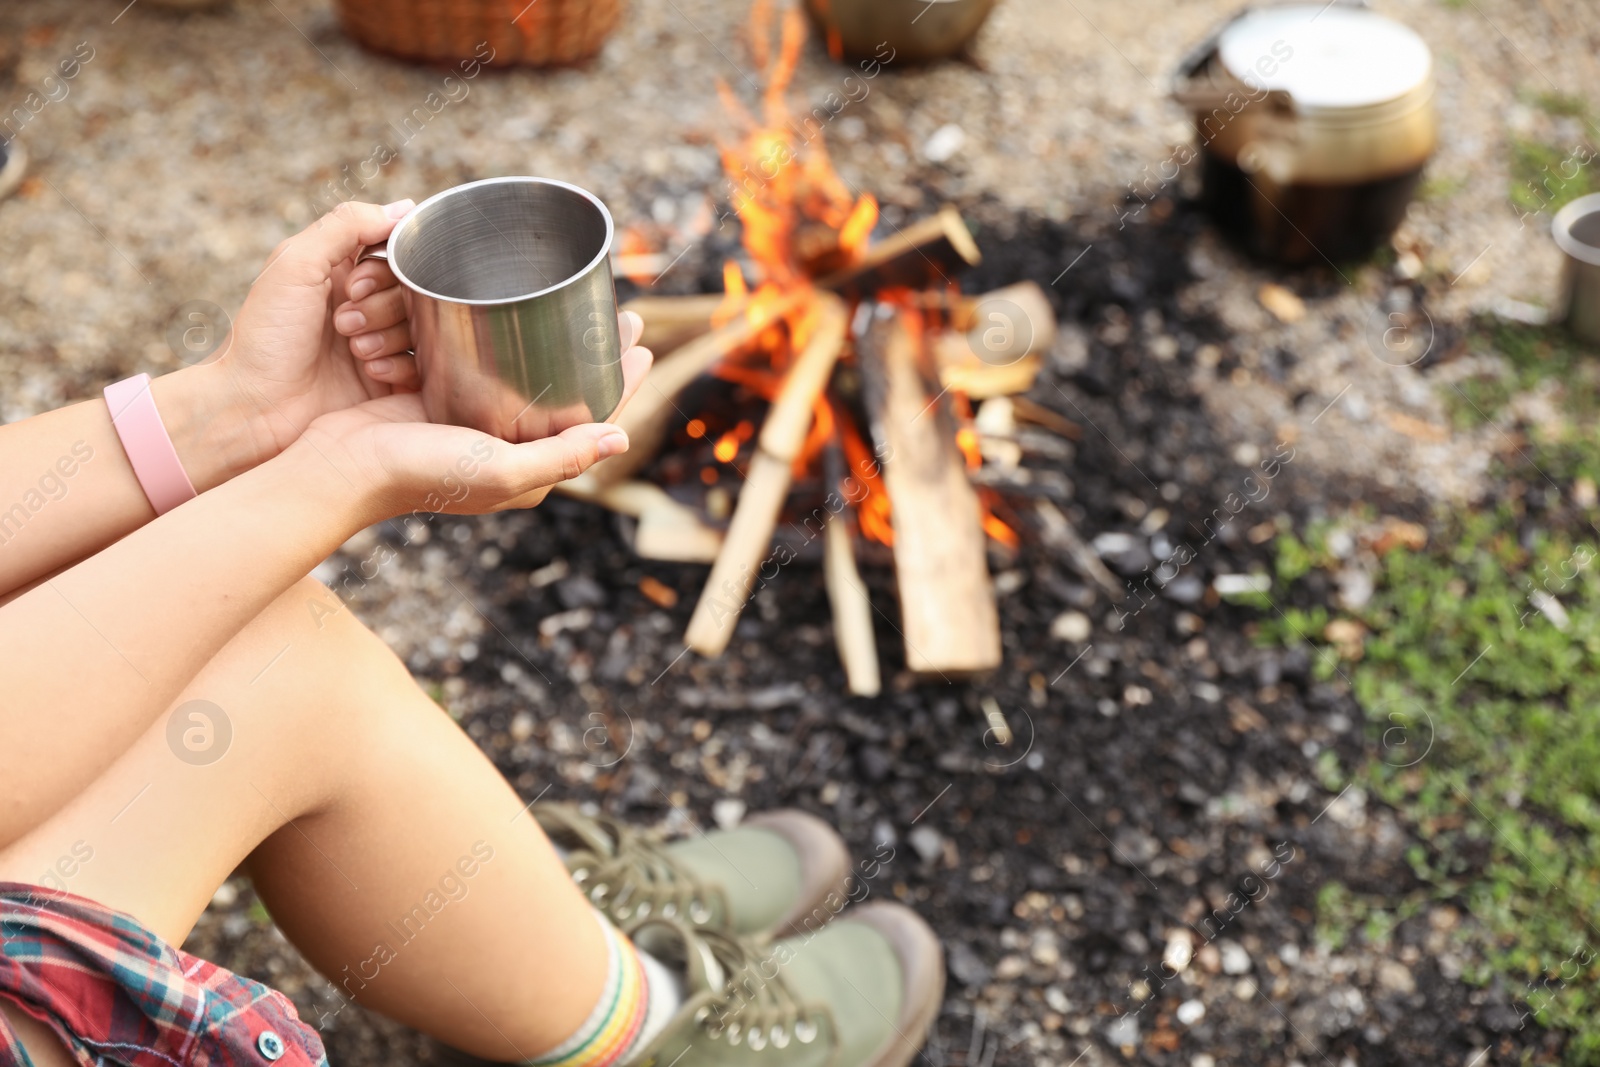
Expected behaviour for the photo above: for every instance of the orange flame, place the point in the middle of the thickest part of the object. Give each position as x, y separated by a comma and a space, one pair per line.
873, 511
779, 168
821, 433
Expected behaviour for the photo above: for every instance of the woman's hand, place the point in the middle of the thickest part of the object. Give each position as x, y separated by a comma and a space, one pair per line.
311, 311
397, 462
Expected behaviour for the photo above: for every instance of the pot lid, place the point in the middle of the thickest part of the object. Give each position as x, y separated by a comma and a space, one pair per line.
1325, 56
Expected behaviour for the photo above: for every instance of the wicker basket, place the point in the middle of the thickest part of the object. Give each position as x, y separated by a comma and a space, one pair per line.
527, 32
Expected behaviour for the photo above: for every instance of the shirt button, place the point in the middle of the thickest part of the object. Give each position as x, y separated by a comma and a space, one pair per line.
270, 1045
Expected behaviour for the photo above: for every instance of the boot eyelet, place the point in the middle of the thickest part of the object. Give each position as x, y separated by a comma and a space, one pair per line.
599, 892
756, 1040
733, 1034
780, 1037
643, 910
581, 875
806, 1031
699, 913
622, 915
668, 910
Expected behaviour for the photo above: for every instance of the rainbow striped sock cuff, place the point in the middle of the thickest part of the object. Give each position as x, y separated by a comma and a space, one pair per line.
611, 1029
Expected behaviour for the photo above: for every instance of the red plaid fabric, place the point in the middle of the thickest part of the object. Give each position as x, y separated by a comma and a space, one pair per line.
118, 994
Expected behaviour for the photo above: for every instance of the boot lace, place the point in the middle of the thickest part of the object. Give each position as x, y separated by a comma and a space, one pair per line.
627, 873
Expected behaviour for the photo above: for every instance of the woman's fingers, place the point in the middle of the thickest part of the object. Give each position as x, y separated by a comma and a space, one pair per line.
369, 276
632, 328
635, 365
309, 257
389, 342
386, 307
527, 468
398, 371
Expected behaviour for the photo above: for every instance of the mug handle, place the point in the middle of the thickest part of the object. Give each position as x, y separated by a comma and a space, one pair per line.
377, 251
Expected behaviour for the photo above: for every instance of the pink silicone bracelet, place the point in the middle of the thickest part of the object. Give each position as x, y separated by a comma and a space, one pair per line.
145, 440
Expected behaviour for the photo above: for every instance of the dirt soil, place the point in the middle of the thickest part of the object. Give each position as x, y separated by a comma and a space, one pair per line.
1161, 761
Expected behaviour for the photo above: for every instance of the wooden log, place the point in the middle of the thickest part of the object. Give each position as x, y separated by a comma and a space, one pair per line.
961, 370
947, 602
673, 321
929, 252
667, 530
649, 416
852, 611
1008, 322
766, 484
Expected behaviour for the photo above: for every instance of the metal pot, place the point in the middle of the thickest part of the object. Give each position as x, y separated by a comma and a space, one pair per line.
1576, 229
1314, 123
898, 31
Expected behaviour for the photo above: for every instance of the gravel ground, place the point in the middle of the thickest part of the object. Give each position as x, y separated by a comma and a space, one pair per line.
1161, 758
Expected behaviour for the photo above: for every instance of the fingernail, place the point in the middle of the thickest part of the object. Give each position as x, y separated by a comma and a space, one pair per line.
367, 342
398, 209
635, 327
380, 366
348, 322
362, 288
612, 444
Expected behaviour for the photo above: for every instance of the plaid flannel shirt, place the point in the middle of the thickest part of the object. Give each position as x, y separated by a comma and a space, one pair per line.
117, 994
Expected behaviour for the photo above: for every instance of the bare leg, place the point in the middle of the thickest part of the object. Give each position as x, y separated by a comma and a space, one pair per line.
385, 844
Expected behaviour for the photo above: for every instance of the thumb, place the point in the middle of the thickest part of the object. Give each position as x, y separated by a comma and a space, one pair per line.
542, 463
308, 258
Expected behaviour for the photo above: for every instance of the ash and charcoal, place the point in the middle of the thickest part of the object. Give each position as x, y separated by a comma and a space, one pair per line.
1156, 805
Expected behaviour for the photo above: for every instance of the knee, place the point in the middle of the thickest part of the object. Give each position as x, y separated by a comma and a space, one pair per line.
320, 641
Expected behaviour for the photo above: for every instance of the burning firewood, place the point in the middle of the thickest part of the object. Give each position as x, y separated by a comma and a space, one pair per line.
929, 252
651, 412
766, 484
947, 605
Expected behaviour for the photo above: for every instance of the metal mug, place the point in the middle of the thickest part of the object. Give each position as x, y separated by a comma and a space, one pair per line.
1576, 229
512, 305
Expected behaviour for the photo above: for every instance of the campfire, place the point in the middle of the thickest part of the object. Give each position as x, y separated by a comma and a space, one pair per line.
846, 374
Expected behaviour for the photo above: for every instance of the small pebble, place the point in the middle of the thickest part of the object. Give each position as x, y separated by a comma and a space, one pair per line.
1073, 626
1191, 1012
926, 842
727, 812
1235, 960
945, 143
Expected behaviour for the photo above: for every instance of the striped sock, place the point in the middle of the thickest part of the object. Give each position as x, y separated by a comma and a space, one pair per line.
635, 1003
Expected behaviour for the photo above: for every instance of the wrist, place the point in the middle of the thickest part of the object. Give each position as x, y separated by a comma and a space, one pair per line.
218, 432
316, 472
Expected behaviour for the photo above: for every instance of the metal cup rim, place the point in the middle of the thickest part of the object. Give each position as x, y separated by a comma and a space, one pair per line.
1561, 228
605, 249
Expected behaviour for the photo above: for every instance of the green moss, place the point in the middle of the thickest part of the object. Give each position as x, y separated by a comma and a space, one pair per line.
1544, 176
1483, 707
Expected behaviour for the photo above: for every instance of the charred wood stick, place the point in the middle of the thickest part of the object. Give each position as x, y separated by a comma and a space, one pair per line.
929, 252
766, 484
1031, 411
650, 414
947, 603
1060, 533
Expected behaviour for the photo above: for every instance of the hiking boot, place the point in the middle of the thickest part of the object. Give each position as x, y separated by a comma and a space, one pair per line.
765, 878
862, 992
